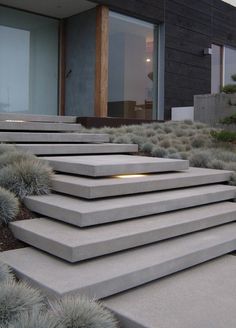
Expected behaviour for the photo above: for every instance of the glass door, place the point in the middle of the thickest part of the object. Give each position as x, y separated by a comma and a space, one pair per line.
132, 68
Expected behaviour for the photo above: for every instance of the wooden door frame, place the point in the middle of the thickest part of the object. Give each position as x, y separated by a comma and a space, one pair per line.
102, 53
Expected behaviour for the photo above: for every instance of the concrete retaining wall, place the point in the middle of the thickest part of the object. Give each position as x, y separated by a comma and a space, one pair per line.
211, 108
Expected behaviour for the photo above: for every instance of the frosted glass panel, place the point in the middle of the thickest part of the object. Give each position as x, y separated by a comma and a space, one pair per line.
132, 67
14, 70
229, 64
28, 63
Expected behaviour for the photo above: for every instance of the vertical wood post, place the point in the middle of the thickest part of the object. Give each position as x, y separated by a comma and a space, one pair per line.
102, 48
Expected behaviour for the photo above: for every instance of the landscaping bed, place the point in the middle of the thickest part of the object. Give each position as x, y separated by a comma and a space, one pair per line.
21, 174
201, 144
7, 240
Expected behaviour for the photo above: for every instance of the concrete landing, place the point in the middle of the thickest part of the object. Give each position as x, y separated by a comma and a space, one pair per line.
69, 149
118, 272
75, 244
115, 186
30, 137
38, 126
83, 212
200, 297
105, 165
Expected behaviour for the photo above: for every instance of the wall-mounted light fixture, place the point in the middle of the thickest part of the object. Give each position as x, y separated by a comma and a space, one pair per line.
207, 51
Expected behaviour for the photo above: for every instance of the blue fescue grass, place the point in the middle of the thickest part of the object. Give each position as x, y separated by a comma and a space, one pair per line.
80, 312
9, 206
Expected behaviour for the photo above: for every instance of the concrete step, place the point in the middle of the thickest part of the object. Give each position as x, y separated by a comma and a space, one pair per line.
107, 165
30, 137
81, 212
75, 244
115, 186
203, 296
69, 149
38, 126
37, 118
111, 274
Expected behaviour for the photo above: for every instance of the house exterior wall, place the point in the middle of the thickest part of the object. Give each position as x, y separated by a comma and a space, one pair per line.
190, 26
80, 63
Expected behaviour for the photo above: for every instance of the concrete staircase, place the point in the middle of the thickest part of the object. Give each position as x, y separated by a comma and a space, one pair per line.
116, 221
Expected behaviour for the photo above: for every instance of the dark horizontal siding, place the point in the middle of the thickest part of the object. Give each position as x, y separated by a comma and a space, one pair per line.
224, 23
151, 10
187, 71
191, 26
179, 55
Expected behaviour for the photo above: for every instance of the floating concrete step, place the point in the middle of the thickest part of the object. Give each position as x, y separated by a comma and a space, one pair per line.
30, 137
38, 126
68, 149
107, 165
203, 296
111, 274
75, 244
37, 118
81, 212
114, 186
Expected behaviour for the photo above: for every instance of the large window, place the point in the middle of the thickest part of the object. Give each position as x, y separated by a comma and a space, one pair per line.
132, 68
223, 66
229, 64
28, 63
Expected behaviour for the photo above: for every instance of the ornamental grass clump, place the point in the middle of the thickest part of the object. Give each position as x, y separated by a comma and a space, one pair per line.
34, 319
6, 148
122, 140
147, 147
13, 157
26, 177
201, 159
9, 206
80, 312
5, 273
15, 299
198, 141
159, 152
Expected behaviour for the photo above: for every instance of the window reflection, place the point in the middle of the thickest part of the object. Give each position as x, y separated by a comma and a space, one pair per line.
131, 67
229, 64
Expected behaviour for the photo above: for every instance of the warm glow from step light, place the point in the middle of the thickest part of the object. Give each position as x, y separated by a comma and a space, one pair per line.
14, 121
130, 176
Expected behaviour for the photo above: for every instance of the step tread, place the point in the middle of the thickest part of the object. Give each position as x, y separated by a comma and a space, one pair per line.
75, 244
37, 118
39, 126
206, 293
84, 212
86, 187
114, 273
68, 149
53, 137
106, 165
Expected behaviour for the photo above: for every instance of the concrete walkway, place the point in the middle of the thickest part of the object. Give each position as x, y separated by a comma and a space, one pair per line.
201, 297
